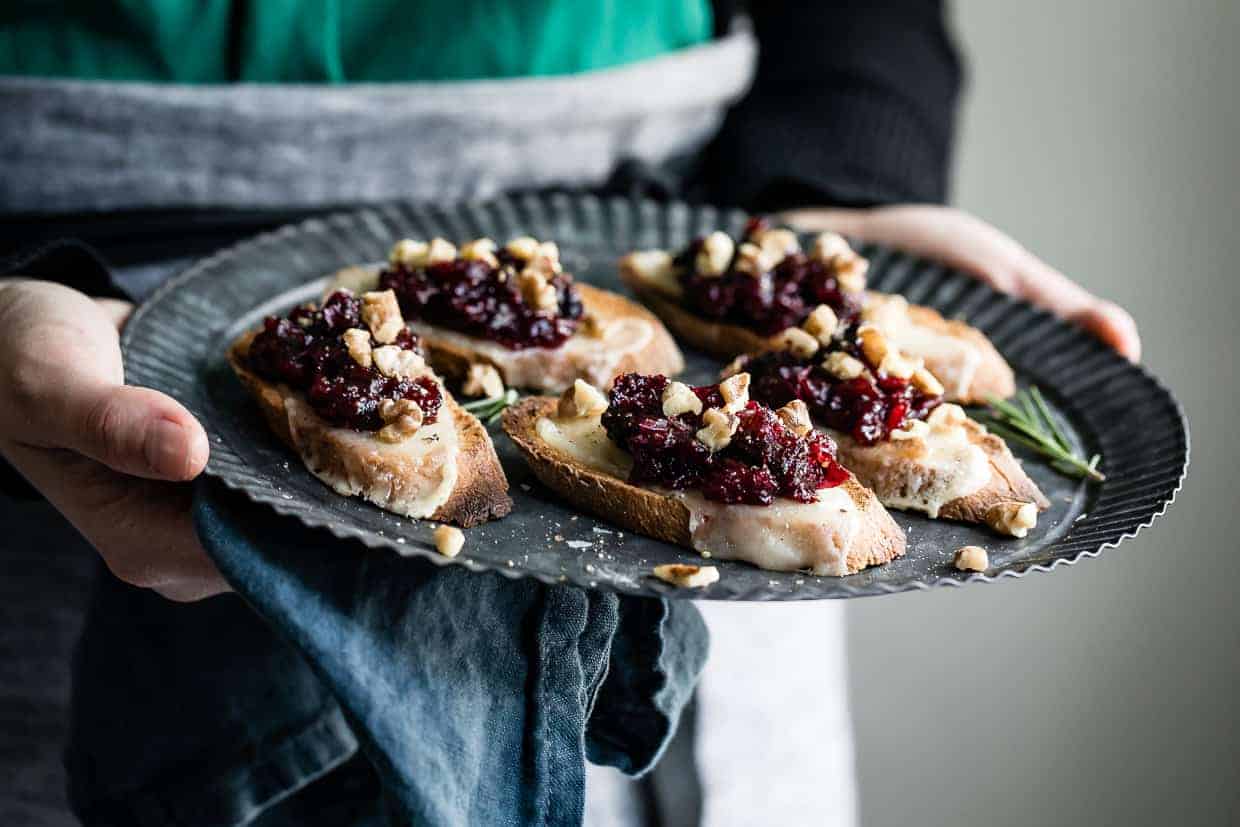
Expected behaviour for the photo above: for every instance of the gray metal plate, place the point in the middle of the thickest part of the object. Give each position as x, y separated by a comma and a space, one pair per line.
176, 343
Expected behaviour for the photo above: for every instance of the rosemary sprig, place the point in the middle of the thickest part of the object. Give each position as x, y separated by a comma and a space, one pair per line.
489, 409
1027, 420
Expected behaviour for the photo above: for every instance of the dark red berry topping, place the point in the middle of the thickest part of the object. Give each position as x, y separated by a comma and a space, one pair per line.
868, 408
477, 299
763, 460
782, 298
305, 351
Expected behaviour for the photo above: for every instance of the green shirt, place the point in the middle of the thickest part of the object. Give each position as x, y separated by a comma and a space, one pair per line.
338, 41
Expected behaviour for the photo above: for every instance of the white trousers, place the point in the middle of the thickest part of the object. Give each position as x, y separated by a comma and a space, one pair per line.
774, 741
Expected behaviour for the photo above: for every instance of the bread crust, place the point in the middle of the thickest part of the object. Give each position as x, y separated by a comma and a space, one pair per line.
993, 377
481, 490
661, 516
723, 340
659, 355
884, 473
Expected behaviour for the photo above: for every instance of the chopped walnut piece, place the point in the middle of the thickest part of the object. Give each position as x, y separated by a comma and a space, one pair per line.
398, 363
842, 366
850, 273
796, 341
581, 400
523, 247
686, 576
1012, 518
449, 540
777, 243
795, 416
403, 418
440, 250
484, 381
381, 313
480, 249
536, 292
946, 416
830, 246
592, 326
715, 254
679, 398
548, 251
913, 429
822, 323
735, 392
897, 365
971, 558
717, 428
357, 341
753, 260
410, 253
927, 383
873, 344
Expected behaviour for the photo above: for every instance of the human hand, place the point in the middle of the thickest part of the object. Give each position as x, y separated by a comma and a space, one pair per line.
106, 454
960, 240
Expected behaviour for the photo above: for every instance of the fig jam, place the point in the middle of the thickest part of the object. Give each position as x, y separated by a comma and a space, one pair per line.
304, 350
478, 299
780, 298
763, 460
867, 408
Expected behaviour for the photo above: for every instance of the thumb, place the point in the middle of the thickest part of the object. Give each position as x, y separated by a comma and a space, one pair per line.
136, 431
1113, 325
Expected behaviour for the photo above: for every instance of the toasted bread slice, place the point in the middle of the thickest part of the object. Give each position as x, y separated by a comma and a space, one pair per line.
860, 535
960, 356
399, 477
621, 337
916, 474
629, 339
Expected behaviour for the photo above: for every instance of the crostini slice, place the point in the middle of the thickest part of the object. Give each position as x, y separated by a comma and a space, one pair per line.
515, 309
735, 510
727, 299
346, 387
887, 414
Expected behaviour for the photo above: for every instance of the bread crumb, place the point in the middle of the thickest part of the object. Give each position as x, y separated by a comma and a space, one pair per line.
449, 540
686, 576
971, 558
796, 341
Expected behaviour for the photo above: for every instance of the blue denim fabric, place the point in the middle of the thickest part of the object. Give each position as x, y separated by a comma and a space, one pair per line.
475, 698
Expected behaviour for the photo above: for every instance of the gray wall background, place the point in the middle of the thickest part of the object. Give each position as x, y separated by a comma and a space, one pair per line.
1106, 137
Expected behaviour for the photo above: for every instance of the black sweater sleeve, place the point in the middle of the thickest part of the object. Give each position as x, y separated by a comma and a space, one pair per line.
853, 103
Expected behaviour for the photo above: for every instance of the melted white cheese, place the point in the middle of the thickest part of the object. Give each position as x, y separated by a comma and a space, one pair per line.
784, 536
584, 440
949, 466
412, 478
952, 360
593, 360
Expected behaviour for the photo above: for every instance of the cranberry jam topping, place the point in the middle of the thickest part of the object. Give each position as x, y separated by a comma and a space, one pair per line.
735, 451
517, 296
766, 283
862, 391
307, 350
